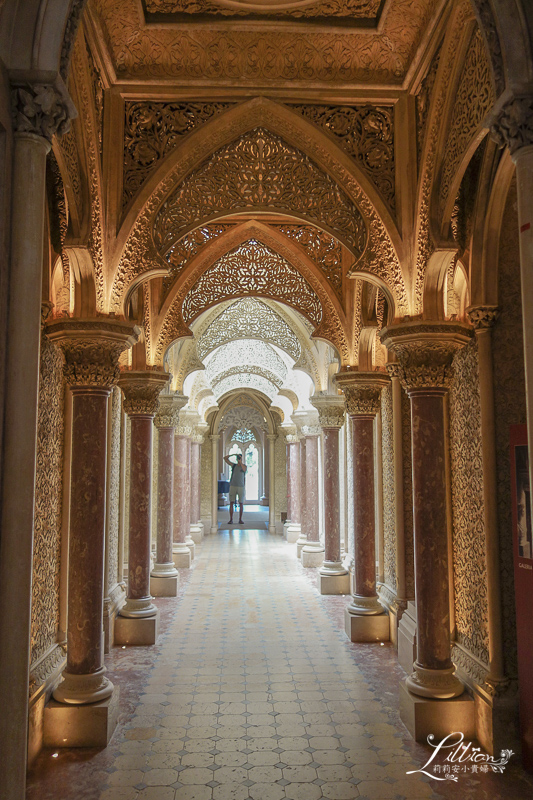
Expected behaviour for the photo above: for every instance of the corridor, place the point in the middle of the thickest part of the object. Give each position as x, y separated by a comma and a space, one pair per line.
253, 692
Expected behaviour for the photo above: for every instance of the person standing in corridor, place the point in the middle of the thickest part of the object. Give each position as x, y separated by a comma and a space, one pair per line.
236, 485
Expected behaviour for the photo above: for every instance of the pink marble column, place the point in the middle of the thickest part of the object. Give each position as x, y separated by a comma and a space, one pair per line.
362, 391
141, 397
91, 351
195, 528
183, 554
165, 421
425, 352
294, 527
288, 452
304, 521
313, 550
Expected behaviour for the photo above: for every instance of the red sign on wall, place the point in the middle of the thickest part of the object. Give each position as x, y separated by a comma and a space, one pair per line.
523, 572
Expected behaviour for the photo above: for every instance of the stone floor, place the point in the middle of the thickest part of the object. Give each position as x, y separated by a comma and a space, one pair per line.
253, 692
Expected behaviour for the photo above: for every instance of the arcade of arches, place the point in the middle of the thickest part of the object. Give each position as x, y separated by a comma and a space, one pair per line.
301, 231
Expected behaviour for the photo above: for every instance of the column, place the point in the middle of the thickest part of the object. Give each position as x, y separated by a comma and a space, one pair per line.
196, 532
333, 577
313, 549
214, 481
302, 538
91, 349
365, 620
265, 480
397, 425
425, 353
288, 474
31, 143
294, 527
183, 552
272, 481
137, 623
164, 576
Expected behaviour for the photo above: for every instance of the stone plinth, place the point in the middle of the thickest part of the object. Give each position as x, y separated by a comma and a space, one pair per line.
407, 638
137, 630
181, 555
424, 716
81, 725
372, 628
164, 587
334, 584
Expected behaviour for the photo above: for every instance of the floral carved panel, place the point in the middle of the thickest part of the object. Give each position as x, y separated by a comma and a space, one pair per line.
324, 250
259, 171
366, 133
241, 355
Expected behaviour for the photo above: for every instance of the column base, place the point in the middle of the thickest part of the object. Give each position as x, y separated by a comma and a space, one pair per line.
165, 570
138, 609
136, 631
366, 628
164, 587
423, 716
365, 606
312, 554
190, 544
286, 526
436, 684
293, 532
333, 584
264, 501
196, 533
81, 689
181, 555
407, 638
300, 544
81, 725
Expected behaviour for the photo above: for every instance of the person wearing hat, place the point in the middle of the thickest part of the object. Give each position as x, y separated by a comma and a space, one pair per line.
236, 486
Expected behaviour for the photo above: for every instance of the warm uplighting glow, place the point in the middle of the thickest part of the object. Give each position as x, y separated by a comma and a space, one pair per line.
55, 755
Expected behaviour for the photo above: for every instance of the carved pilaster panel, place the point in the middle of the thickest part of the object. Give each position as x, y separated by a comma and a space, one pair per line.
141, 391
389, 528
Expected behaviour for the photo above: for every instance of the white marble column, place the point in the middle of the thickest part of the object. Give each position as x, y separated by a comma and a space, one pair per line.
294, 526
302, 538
215, 437
313, 549
272, 482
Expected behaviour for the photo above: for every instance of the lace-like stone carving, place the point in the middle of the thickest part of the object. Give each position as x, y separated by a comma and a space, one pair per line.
181, 253
345, 9
483, 316
423, 100
141, 391
168, 412
260, 171
152, 130
323, 249
247, 355
330, 410
362, 391
366, 133
39, 109
249, 318
248, 380
252, 268
253, 369
514, 126
489, 29
242, 418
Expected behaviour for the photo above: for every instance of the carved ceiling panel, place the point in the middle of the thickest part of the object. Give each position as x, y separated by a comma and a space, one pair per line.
152, 130
366, 133
253, 369
246, 354
249, 318
182, 251
346, 10
252, 54
259, 171
252, 269
246, 380
243, 417
324, 250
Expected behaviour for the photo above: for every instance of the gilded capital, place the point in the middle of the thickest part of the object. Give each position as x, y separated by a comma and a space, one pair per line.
168, 412
330, 410
482, 316
425, 351
41, 109
393, 369
141, 390
91, 348
513, 126
362, 391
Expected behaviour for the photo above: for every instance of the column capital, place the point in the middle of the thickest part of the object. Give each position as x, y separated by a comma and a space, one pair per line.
272, 437
91, 348
169, 409
292, 438
40, 105
141, 391
310, 430
393, 370
425, 351
513, 125
214, 437
330, 410
482, 317
362, 391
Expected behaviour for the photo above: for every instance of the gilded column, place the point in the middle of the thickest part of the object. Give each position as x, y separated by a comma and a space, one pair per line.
272, 482
425, 353
364, 617
294, 527
137, 621
313, 549
164, 576
91, 349
333, 577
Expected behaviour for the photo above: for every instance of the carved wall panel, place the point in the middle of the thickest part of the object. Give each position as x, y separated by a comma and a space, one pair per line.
98, 90
490, 33
510, 407
389, 529
474, 99
259, 171
57, 212
408, 498
423, 101
48, 505
152, 130
469, 554
253, 369
182, 251
324, 250
345, 9
114, 490
252, 268
366, 133
242, 417
249, 318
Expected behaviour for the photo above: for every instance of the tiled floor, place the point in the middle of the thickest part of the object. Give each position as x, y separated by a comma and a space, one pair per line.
254, 693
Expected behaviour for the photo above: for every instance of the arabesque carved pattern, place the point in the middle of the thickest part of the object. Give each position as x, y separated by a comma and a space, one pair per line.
182, 251
261, 171
475, 97
490, 32
423, 101
186, 362
69, 149
141, 391
247, 354
209, 53
48, 503
152, 130
252, 268
324, 250
242, 418
253, 369
249, 380
321, 8
389, 527
469, 556
249, 318
366, 133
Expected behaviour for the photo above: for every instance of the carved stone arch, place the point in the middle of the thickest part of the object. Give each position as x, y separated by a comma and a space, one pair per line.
507, 27
83, 277
331, 326
438, 266
134, 248
259, 400
38, 35
367, 278
290, 395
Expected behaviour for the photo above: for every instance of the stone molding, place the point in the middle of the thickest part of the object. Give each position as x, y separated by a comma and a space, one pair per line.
168, 411
330, 410
91, 349
292, 438
141, 391
47, 667
425, 351
41, 109
362, 391
482, 317
184, 430
513, 126
310, 430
